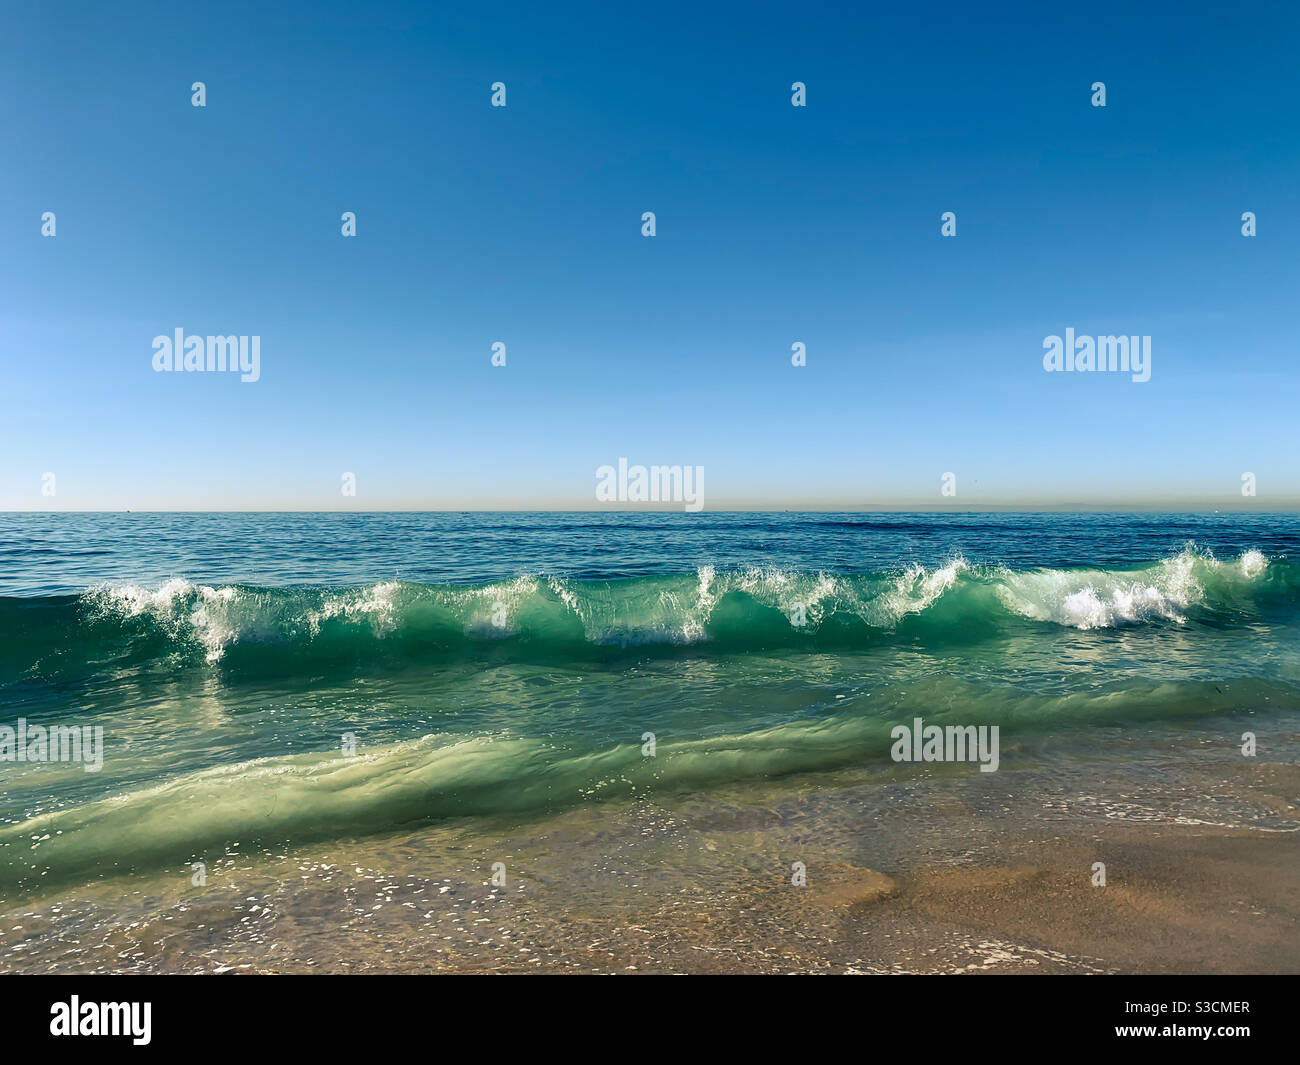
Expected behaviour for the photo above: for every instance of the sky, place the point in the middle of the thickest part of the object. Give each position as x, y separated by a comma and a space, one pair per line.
522, 225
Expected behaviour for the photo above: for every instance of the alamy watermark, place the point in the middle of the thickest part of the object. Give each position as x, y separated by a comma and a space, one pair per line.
78, 1018
195, 354
954, 743
1098, 354
654, 484
57, 743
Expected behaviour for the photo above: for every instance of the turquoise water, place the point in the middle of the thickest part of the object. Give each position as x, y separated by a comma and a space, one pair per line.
264, 679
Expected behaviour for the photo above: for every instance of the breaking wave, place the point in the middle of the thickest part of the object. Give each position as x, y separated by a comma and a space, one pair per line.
734, 610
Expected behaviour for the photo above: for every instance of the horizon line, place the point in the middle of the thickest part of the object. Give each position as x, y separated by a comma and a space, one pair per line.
1172, 507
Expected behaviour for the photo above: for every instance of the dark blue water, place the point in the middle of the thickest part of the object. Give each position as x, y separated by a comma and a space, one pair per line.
43, 554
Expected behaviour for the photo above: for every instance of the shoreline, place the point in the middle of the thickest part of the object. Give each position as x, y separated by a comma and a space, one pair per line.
934, 874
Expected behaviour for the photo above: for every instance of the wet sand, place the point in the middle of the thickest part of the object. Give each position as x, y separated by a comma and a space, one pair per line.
940, 871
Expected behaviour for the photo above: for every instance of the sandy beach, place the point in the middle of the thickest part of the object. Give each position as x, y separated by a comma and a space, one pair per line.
930, 872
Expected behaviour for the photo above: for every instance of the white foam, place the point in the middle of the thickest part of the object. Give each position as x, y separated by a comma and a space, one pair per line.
201, 611
376, 604
1092, 599
1253, 563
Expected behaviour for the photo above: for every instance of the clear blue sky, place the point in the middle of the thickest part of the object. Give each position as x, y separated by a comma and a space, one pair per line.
523, 225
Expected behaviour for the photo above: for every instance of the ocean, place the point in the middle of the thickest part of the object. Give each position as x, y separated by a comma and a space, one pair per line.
606, 705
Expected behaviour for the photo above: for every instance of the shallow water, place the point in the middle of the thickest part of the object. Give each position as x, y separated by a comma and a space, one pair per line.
267, 683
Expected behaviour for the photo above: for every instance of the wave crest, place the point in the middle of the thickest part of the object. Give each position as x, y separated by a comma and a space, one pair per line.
754, 607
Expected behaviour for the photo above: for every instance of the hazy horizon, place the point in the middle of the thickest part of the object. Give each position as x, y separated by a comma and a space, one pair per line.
1078, 507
